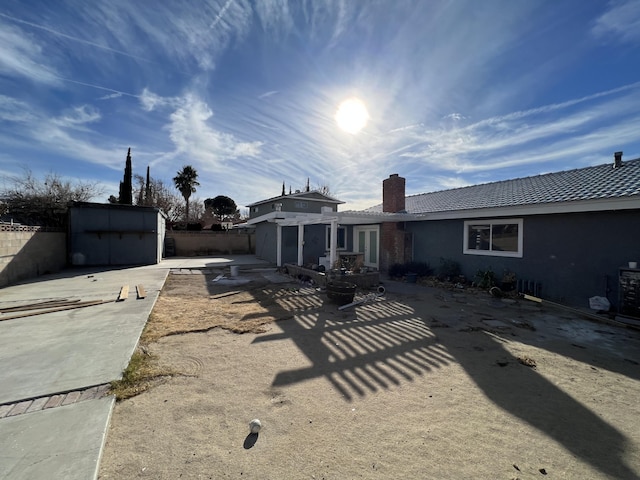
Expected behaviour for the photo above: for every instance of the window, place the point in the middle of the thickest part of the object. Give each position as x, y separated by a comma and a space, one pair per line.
342, 238
301, 205
501, 238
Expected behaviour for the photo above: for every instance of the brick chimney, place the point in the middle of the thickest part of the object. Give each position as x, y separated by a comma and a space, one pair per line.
392, 234
393, 195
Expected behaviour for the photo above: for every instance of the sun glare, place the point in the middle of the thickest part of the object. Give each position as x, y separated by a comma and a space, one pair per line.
352, 115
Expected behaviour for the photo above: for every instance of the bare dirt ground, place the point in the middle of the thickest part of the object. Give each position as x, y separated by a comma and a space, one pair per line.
429, 384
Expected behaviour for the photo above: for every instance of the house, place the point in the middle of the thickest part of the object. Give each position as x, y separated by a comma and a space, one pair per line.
567, 235
271, 217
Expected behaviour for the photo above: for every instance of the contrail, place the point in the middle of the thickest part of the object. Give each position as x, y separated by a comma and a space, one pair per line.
97, 86
75, 39
221, 14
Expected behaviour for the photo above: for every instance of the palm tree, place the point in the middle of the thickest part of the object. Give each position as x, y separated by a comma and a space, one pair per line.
186, 181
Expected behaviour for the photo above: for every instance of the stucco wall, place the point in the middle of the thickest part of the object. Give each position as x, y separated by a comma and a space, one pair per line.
314, 243
190, 244
27, 252
574, 256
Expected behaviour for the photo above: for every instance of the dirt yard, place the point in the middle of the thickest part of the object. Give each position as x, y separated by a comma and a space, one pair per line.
426, 384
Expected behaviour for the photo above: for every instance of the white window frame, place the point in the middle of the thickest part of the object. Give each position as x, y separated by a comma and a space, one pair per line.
327, 238
491, 222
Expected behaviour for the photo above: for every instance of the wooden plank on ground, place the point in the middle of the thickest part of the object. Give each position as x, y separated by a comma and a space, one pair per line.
88, 303
39, 305
140, 290
124, 293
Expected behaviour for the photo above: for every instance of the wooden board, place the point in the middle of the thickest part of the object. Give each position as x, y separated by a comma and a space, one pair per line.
140, 290
124, 293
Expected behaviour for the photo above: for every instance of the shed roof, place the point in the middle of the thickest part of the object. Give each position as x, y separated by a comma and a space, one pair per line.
601, 182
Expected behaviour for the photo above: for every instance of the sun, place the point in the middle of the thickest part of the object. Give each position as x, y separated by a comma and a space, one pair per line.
352, 115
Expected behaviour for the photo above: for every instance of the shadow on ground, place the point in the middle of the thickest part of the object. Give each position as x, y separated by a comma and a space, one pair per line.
385, 343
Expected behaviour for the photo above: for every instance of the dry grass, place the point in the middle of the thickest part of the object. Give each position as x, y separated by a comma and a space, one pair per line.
190, 304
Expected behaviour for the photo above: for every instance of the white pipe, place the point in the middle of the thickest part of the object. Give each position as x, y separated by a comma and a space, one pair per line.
371, 296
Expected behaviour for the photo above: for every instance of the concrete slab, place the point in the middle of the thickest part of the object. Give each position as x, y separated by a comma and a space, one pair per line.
211, 262
64, 442
57, 352
72, 349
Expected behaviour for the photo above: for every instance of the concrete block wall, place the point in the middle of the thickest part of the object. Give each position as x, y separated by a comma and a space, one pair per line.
27, 252
193, 244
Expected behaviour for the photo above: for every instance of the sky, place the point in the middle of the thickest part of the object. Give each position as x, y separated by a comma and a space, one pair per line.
246, 92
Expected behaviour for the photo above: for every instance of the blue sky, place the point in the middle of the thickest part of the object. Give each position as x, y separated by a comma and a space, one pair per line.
458, 92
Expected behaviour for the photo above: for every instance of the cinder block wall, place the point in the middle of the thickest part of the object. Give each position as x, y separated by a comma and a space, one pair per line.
27, 252
191, 244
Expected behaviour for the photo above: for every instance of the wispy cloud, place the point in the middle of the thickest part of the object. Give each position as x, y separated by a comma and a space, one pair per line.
23, 57
192, 134
72, 37
619, 23
532, 136
77, 117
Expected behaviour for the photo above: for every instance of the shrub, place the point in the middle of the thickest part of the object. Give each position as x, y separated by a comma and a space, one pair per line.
397, 270
485, 278
449, 269
194, 226
422, 269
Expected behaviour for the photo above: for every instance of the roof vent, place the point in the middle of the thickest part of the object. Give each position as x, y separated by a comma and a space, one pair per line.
617, 159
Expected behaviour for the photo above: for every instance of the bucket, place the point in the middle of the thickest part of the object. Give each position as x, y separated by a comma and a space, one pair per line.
235, 270
341, 293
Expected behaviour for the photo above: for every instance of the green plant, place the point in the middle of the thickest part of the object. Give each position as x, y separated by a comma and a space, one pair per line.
421, 269
448, 269
508, 280
138, 375
397, 270
485, 278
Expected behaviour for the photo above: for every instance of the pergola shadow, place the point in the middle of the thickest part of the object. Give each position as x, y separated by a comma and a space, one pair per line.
389, 342
386, 344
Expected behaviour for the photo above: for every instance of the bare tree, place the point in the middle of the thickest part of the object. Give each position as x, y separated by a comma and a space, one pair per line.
33, 201
154, 193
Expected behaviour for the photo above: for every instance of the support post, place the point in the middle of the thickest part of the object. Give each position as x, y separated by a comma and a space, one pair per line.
333, 239
279, 245
300, 244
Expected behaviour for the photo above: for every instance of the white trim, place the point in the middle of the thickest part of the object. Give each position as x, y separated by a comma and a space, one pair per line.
493, 253
576, 206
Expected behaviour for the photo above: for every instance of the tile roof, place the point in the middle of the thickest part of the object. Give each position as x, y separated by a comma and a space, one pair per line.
590, 183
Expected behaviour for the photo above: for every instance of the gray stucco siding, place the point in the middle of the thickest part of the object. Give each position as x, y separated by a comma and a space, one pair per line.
573, 256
